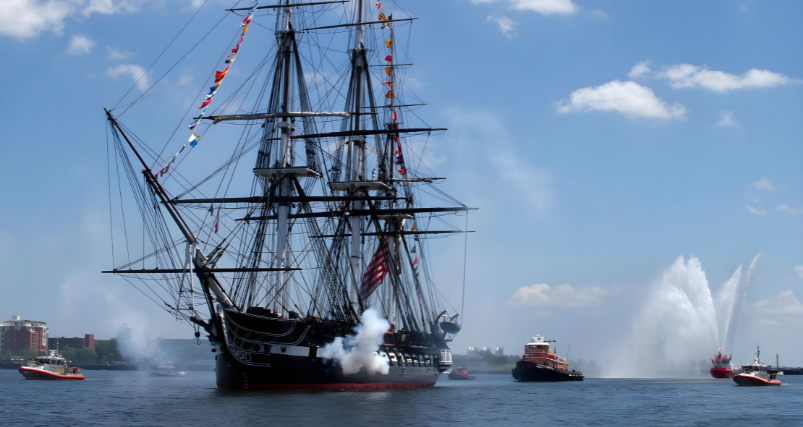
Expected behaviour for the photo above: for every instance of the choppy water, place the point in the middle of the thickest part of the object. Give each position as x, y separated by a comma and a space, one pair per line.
134, 398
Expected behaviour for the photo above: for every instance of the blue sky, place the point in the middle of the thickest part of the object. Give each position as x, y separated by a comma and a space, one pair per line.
601, 140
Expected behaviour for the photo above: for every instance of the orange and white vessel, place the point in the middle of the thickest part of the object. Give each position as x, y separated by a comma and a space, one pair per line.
50, 367
723, 367
757, 374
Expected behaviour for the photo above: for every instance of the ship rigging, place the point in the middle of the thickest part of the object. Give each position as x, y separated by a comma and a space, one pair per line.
338, 220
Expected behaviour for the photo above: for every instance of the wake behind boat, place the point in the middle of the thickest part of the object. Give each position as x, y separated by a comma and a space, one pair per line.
50, 367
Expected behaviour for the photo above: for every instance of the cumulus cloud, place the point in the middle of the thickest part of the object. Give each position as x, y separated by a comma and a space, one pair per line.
639, 69
783, 208
116, 54
799, 270
629, 99
763, 183
687, 75
23, 19
545, 7
135, 72
543, 295
785, 303
505, 24
755, 210
726, 120
532, 184
80, 45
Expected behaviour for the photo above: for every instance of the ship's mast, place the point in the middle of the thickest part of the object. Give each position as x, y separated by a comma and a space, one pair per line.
281, 162
356, 149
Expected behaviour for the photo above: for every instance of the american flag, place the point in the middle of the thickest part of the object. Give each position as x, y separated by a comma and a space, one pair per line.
375, 271
400, 161
415, 271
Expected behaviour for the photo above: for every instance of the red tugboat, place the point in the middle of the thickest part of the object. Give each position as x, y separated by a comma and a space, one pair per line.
723, 367
460, 374
757, 374
50, 368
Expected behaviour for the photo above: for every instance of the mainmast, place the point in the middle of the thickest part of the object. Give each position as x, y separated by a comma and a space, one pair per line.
356, 167
282, 159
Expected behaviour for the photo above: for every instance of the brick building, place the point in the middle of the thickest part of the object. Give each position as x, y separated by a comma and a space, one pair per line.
58, 343
18, 334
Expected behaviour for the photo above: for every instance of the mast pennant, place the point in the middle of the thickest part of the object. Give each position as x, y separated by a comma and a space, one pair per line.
219, 76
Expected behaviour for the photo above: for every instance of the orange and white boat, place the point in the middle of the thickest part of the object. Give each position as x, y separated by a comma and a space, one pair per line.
757, 374
50, 367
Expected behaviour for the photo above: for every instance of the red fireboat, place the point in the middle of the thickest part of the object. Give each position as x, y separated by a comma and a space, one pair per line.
723, 368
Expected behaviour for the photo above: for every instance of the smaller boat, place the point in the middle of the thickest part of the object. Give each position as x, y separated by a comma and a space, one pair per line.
757, 374
50, 367
540, 363
723, 367
165, 371
460, 374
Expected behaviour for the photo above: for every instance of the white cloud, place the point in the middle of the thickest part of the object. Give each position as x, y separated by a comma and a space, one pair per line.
785, 303
116, 54
80, 45
763, 184
532, 184
787, 210
629, 99
756, 210
505, 24
639, 69
545, 7
726, 120
23, 19
799, 270
135, 72
687, 75
565, 295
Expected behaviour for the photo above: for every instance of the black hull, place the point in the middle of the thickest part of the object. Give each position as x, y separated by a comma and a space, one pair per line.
529, 371
254, 364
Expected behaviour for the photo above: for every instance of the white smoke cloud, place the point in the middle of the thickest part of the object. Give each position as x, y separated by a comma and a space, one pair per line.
360, 350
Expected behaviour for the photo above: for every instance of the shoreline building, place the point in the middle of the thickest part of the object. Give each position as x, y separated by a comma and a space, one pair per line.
58, 343
19, 334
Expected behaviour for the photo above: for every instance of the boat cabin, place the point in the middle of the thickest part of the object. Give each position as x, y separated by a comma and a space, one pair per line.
539, 351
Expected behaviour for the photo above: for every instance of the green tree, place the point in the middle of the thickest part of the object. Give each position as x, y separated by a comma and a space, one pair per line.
26, 354
41, 353
107, 351
68, 353
6, 356
86, 355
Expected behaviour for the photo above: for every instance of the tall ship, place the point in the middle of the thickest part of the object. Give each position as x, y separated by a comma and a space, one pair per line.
722, 366
541, 363
313, 268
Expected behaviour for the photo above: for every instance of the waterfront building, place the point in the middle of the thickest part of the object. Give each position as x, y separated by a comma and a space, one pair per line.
58, 343
499, 351
472, 351
19, 334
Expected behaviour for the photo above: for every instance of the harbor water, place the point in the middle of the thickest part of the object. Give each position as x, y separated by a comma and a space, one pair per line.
133, 398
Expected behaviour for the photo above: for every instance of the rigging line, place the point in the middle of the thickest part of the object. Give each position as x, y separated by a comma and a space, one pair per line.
109, 179
465, 259
122, 210
196, 96
157, 58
